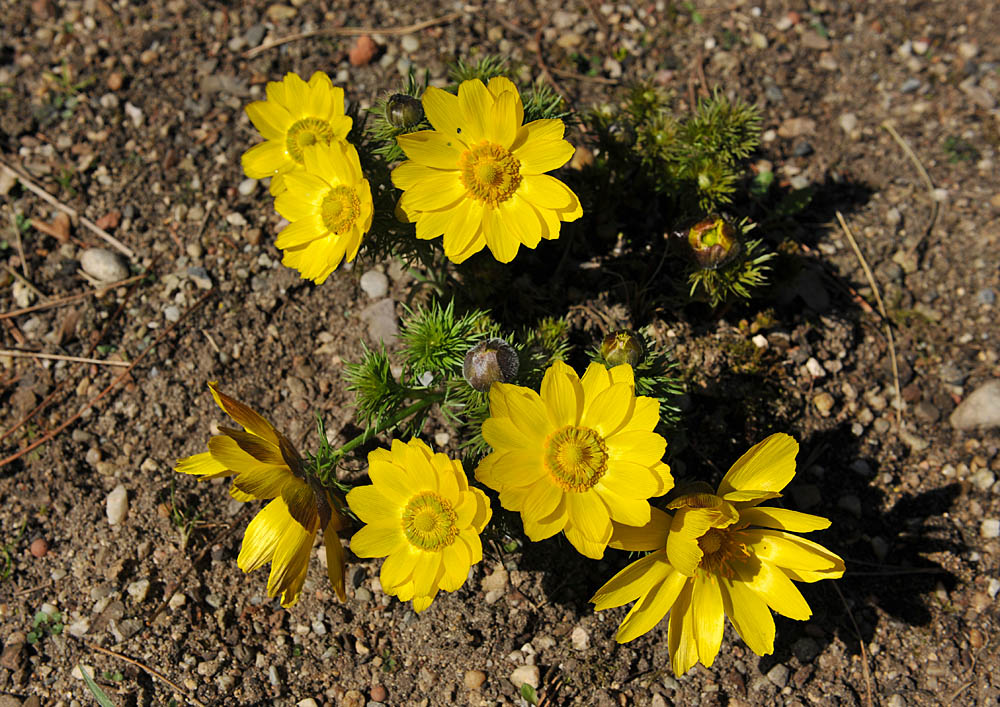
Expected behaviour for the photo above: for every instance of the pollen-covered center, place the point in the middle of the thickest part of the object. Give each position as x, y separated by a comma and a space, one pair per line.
721, 548
490, 173
576, 457
429, 521
340, 209
306, 132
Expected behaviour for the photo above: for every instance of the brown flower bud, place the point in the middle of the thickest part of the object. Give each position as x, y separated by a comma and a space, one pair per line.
713, 242
488, 362
403, 111
622, 346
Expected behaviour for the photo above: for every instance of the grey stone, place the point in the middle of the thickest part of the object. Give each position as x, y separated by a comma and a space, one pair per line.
117, 505
104, 265
778, 675
529, 674
380, 317
255, 35
910, 85
990, 528
986, 296
805, 649
375, 284
980, 409
200, 277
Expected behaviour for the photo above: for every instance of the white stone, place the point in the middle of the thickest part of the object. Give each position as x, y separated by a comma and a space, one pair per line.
980, 409
117, 505
247, 187
760, 341
814, 368
529, 674
375, 284
103, 264
990, 528
580, 639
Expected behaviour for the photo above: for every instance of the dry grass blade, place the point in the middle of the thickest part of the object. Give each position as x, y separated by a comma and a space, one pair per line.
861, 643
936, 207
59, 357
152, 672
351, 32
20, 246
885, 318
72, 298
73, 213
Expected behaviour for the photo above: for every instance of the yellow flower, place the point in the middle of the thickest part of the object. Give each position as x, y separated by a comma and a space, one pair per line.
264, 465
576, 457
721, 555
329, 205
295, 115
422, 517
479, 177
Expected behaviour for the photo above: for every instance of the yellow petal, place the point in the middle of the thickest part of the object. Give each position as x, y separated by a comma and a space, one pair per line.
483, 512
301, 502
266, 160
783, 519
636, 580
609, 410
321, 95
203, 465
464, 225
427, 574
225, 451
767, 466
260, 449
687, 526
421, 603
503, 121
542, 498
438, 190
302, 232
262, 535
562, 394
443, 112
263, 481
652, 536
594, 381
521, 220
629, 511
774, 587
651, 608
335, 562
501, 84
240, 495
537, 131
680, 632
631, 480
588, 517
502, 241
271, 119
377, 541
243, 414
409, 174
372, 507
645, 415
476, 104
637, 446
541, 156
709, 620
540, 528
432, 148
750, 616
790, 551
398, 568
547, 192
294, 206
433, 224
390, 480
455, 561
290, 562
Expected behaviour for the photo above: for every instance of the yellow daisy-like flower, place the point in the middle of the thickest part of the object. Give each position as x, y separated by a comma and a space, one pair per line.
329, 205
479, 177
422, 517
264, 465
721, 555
295, 116
576, 457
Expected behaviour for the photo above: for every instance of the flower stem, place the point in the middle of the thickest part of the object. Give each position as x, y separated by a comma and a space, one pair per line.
391, 422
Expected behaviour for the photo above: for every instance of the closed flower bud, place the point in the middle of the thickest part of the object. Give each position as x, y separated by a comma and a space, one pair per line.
488, 362
403, 111
713, 242
622, 346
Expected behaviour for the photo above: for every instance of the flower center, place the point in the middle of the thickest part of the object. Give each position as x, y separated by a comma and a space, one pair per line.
340, 209
429, 522
721, 549
306, 132
576, 458
490, 173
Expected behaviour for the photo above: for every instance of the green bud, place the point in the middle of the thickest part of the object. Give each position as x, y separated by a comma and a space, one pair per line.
713, 242
488, 362
403, 111
622, 346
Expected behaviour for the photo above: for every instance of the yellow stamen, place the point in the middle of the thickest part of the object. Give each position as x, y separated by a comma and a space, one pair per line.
576, 458
340, 209
429, 522
721, 551
490, 173
306, 132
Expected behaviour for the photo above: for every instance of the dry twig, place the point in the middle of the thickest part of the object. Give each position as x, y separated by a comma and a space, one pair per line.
60, 357
20, 246
885, 318
350, 32
936, 207
73, 213
27, 283
152, 672
861, 643
58, 302
52, 433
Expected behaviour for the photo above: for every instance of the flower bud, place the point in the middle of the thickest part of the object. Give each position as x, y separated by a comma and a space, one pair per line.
713, 242
488, 362
622, 346
403, 111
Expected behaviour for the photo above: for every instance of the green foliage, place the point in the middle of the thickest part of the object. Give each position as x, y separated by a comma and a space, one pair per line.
529, 694
736, 279
7, 551
45, 624
381, 131
484, 69
102, 698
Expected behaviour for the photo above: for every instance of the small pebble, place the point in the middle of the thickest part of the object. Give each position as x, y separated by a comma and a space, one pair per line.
363, 51
990, 528
778, 675
848, 122
981, 408
117, 505
529, 674
409, 43
115, 81
247, 187
580, 639
824, 403
139, 590
375, 284
910, 85
172, 313
272, 676
378, 693
104, 265
474, 679
39, 547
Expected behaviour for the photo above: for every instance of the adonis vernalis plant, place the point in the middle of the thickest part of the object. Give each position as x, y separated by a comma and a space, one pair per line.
721, 555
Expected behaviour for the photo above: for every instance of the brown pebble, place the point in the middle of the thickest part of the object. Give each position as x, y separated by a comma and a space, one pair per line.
363, 51
115, 81
39, 547
378, 693
474, 679
110, 220
148, 56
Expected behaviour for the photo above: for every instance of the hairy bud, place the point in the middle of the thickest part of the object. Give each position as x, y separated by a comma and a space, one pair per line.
622, 346
403, 111
488, 362
713, 242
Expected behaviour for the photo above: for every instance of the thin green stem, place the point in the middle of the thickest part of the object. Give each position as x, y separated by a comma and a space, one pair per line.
390, 423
